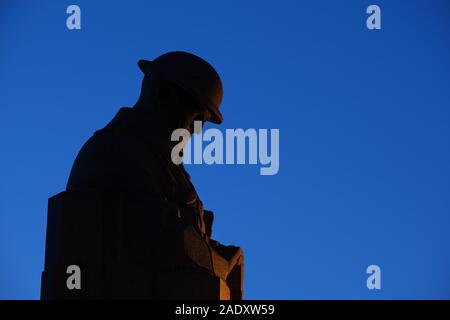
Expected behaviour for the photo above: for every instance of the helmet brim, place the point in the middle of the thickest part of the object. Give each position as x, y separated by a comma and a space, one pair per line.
147, 67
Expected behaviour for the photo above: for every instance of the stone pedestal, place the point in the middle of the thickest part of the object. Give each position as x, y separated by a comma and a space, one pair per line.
130, 252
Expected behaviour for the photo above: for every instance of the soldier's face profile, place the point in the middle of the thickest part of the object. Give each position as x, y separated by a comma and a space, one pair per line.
200, 115
186, 109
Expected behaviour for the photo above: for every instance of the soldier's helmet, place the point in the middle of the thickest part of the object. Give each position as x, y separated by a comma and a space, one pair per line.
196, 76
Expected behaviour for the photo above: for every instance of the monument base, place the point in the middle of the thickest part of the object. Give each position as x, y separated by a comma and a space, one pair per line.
97, 233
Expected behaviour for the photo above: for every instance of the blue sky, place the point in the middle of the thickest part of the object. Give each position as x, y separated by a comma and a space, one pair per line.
364, 133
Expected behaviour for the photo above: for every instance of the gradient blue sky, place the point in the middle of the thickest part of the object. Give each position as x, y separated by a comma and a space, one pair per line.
364, 132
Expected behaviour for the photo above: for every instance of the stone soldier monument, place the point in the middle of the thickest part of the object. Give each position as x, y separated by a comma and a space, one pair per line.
130, 224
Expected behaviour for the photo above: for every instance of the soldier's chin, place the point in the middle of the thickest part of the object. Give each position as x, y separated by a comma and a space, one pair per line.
191, 129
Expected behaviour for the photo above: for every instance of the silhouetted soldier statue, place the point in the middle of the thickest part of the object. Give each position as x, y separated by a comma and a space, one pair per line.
130, 218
